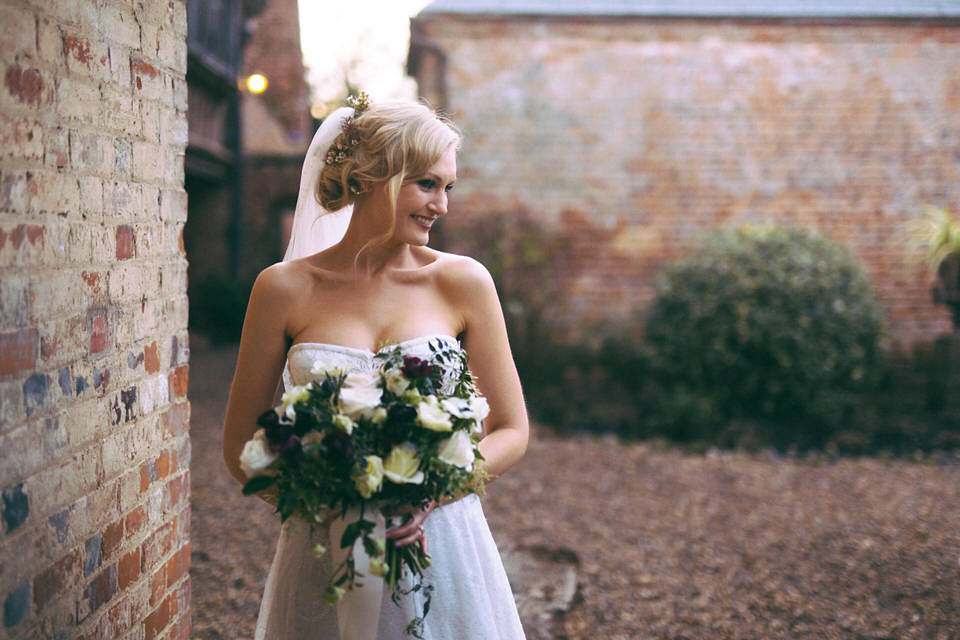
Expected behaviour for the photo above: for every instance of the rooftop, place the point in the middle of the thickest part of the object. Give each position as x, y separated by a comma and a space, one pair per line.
706, 8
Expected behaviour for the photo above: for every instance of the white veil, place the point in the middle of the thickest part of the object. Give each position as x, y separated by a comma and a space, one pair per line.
314, 228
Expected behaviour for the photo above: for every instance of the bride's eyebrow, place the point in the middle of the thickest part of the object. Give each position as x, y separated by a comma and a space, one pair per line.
436, 178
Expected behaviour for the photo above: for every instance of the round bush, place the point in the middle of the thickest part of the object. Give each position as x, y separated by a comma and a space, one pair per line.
769, 326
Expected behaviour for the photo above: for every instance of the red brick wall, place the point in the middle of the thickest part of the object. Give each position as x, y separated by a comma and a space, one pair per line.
93, 343
628, 138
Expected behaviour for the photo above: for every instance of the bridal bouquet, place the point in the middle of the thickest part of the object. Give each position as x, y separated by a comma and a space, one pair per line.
401, 436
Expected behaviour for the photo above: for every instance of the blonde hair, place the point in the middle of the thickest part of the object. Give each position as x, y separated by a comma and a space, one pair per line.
396, 141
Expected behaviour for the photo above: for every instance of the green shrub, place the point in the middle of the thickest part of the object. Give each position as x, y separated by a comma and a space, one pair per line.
587, 389
776, 328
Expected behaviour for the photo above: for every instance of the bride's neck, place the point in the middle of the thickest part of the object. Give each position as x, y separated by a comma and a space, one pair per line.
358, 252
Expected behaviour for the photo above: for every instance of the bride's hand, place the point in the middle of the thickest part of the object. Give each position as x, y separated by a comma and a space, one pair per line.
411, 530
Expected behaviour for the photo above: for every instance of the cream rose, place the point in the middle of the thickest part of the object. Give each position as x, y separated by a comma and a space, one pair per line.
432, 416
256, 455
370, 478
402, 465
457, 450
319, 372
290, 398
395, 381
344, 423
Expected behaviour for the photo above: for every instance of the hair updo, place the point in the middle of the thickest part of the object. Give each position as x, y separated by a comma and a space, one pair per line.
396, 140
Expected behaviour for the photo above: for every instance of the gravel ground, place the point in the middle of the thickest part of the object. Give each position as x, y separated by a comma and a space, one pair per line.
664, 544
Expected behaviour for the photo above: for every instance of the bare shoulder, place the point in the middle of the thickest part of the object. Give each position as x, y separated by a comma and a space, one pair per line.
280, 282
463, 273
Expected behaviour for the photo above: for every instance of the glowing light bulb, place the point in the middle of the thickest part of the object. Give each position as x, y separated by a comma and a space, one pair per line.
257, 83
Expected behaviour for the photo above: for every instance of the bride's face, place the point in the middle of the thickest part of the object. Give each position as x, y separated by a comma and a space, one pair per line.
423, 199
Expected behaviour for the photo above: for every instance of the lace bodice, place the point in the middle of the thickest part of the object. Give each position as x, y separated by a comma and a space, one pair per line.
303, 356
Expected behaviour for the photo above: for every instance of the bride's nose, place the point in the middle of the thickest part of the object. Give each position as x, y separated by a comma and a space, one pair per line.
439, 203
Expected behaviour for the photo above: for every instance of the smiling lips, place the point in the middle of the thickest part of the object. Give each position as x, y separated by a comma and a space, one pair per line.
423, 221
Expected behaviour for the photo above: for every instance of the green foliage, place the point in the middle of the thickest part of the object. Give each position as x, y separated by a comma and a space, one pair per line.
772, 326
217, 306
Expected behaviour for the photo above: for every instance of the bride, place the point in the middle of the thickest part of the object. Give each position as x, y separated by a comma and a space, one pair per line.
358, 276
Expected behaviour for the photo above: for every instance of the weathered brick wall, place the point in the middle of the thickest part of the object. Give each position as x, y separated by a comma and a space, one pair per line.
629, 137
93, 343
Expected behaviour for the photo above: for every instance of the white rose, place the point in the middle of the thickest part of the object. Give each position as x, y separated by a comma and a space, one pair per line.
360, 379
370, 478
457, 450
395, 381
359, 399
256, 455
473, 408
432, 416
291, 397
458, 407
480, 407
402, 465
481, 410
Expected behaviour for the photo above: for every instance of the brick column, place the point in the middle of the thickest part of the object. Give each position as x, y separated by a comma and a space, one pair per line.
93, 320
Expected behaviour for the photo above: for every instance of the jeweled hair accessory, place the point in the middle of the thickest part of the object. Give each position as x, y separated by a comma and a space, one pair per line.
348, 137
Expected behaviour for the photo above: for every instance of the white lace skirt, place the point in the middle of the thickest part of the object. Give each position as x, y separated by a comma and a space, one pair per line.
471, 596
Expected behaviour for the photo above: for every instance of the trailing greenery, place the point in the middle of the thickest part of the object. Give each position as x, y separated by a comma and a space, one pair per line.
776, 328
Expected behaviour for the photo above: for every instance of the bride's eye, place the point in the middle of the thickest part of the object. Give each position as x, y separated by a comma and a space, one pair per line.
448, 188
426, 184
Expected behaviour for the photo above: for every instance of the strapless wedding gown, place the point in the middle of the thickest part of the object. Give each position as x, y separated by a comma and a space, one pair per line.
471, 600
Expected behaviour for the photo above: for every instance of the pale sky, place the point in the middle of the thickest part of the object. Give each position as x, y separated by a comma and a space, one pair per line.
365, 39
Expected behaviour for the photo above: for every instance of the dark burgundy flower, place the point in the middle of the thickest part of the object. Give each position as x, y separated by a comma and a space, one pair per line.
269, 419
292, 443
338, 444
278, 434
414, 367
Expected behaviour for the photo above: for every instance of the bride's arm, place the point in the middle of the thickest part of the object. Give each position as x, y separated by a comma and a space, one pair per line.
486, 343
259, 362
